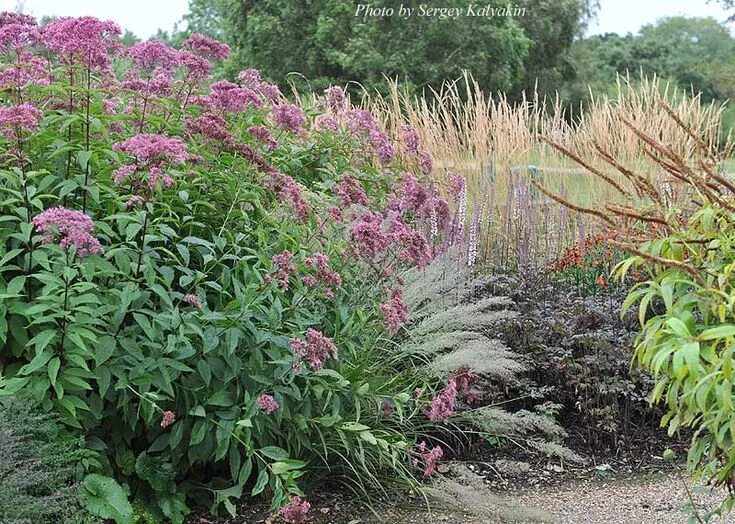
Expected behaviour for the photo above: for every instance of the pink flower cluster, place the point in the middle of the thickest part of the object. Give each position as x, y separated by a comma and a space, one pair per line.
395, 311
315, 350
410, 138
289, 116
152, 153
250, 78
360, 121
296, 511
70, 228
367, 233
85, 39
329, 278
210, 126
153, 54
430, 457
442, 407
336, 99
267, 404
169, 417
15, 118
382, 146
192, 300
283, 263
263, 135
207, 47
228, 97
155, 149
289, 191
351, 192
465, 377
427, 162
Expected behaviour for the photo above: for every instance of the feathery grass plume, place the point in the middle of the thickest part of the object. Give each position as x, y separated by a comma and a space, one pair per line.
487, 357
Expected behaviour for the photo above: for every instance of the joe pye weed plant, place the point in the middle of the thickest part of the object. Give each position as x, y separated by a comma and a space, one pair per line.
201, 278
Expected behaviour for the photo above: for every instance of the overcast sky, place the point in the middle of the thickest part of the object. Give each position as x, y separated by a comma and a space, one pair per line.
144, 17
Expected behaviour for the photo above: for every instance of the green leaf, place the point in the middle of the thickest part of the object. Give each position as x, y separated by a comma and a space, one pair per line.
221, 398
722, 331
105, 498
274, 452
261, 482
678, 327
53, 369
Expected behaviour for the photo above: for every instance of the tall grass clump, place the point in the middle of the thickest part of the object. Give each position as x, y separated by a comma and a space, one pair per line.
503, 148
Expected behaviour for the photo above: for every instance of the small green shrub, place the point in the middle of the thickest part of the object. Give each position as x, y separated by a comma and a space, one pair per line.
39, 465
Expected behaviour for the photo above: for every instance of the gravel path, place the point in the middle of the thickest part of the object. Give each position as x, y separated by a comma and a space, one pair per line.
658, 498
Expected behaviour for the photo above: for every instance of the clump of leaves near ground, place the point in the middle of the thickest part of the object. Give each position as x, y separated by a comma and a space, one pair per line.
201, 278
39, 466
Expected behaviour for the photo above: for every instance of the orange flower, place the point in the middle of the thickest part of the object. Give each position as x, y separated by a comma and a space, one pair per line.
601, 282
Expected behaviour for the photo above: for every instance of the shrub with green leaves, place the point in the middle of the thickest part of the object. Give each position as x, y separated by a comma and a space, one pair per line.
200, 277
39, 463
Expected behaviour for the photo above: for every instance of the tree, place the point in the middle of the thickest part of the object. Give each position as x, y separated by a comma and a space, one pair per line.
327, 43
552, 26
693, 53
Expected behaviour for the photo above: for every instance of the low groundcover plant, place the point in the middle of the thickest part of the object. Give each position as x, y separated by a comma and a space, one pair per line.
202, 278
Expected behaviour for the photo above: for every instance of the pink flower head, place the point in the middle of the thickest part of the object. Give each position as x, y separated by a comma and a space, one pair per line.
289, 191
249, 78
9, 18
267, 404
329, 278
192, 300
326, 123
395, 311
413, 196
169, 417
283, 263
336, 98
210, 126
70, 228
135, 201
382, 146
414, 247
296, 511
153, 54
197, 67
351, 192
289, 116
316, 350
367, 233
360, 121
335, 213
442, 407
427, 163
262, 134
269, 91
15, 118
207, 47
85, 39
465, 377
155, 149
231, 98
410, 138
457, 184
430, 457
17, 38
